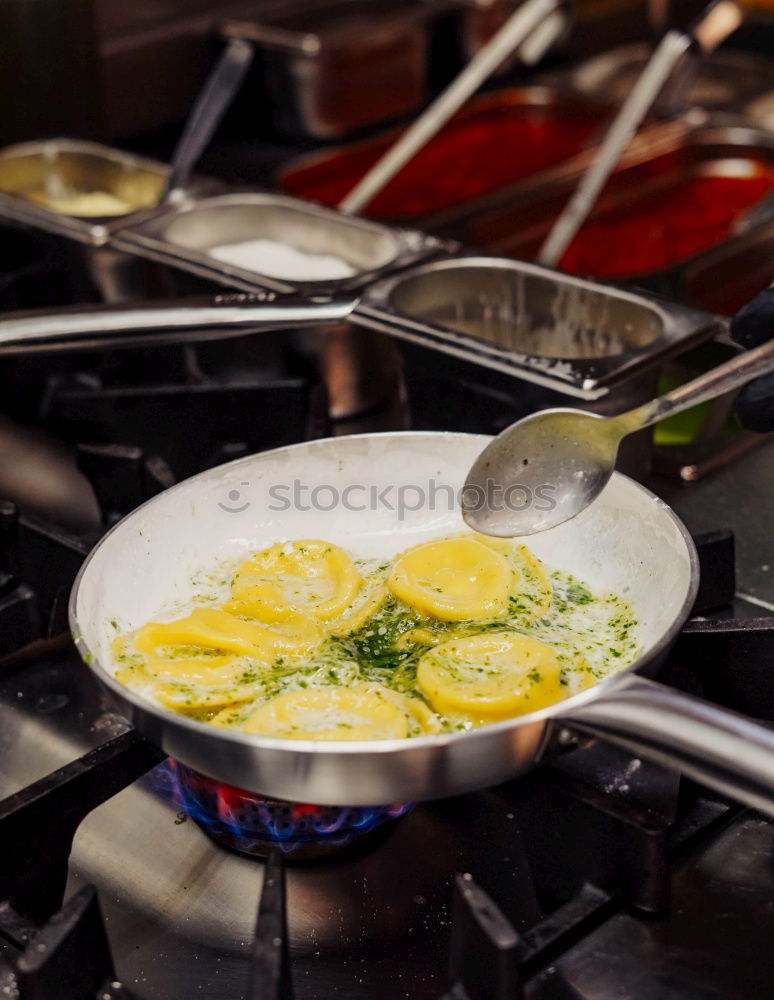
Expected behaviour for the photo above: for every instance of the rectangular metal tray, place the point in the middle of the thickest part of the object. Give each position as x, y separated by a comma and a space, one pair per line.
181, 237
331, 67
569, 334
517, 226
80, 166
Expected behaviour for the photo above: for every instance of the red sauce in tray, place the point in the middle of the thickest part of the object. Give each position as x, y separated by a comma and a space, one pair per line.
472, 155
659, 230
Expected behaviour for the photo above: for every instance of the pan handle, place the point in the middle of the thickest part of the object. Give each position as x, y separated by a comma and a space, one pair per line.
718, 748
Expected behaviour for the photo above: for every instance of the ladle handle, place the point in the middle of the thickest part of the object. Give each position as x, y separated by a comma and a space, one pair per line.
716, 382
213, 101
513, 33
164, 321
638, 103
716, 747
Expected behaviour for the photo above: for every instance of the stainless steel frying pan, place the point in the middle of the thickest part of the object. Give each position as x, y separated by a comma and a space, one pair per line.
400, 493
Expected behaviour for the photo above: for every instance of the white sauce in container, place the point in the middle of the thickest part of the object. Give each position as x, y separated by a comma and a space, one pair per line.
279, 260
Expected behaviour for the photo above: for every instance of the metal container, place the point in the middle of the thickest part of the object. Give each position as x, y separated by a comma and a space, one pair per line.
332, 66
567, 334
726, 81
517, 226
183, 237
36, 176
328, 175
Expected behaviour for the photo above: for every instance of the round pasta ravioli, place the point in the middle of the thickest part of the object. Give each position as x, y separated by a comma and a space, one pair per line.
453, 579
332, 713
492, 676
312, 577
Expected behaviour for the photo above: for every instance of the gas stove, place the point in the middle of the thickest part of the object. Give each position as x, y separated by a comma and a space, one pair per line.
597, 876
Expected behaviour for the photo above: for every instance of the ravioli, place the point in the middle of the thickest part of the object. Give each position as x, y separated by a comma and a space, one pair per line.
491, 676
362, 712
454, 579
311, 577
306, 642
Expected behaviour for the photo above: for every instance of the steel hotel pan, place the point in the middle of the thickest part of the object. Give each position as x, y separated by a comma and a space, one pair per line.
628, 541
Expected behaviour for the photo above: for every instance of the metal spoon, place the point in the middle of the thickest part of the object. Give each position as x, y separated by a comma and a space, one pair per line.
715, 24
548, 467
211, 104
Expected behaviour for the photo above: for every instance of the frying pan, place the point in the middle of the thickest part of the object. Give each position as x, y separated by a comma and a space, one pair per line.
401, 493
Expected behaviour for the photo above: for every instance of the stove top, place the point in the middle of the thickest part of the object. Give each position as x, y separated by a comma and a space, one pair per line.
598, 876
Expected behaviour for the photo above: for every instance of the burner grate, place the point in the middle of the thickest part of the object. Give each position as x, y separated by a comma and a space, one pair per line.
65, 953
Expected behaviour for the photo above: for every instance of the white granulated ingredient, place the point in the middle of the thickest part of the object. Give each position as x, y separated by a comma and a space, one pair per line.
279, 260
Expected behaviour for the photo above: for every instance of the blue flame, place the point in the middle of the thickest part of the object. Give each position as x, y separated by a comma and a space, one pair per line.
251, 824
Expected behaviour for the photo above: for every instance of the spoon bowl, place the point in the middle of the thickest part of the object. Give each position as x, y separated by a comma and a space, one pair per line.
540, 472
548, 467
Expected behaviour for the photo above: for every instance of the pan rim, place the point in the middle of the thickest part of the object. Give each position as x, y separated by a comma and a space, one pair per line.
383, 747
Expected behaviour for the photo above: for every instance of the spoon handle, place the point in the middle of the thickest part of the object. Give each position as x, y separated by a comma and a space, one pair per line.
731, 375
165, 321
213, 101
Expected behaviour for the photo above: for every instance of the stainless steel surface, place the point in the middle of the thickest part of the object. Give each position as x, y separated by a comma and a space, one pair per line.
212, 103
737, 497
523, 23
320, 58
561, 332
84, 167
719, 748
698, 949
574, 451
476, 21
39, 473
180, 910
166, 321
634, 109
182, 236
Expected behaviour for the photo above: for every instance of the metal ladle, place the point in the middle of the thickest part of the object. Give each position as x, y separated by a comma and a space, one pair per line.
532, 29
715, 24
547, 468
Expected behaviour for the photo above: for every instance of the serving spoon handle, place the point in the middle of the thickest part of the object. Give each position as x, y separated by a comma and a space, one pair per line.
164, 321
716, 382
526, 21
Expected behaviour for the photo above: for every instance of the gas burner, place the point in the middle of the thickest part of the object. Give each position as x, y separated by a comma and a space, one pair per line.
245, 822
